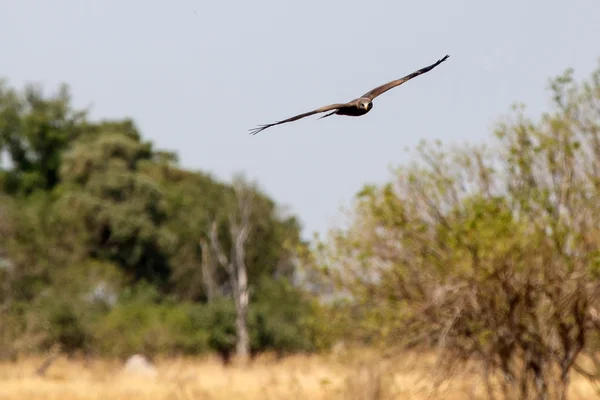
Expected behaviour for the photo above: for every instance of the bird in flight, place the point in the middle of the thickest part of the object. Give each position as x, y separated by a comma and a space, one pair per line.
356, 107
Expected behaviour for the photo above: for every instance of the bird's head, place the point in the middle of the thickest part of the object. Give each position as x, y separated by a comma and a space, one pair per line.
365, 104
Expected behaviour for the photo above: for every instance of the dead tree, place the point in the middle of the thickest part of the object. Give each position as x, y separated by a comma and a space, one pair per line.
208, 271
235, 264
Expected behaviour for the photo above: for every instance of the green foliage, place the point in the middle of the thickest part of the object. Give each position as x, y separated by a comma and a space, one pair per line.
142, 322
103, 240
218, 317
487, 254
65, 326
280, 318
140, 327
34, 131
122, 210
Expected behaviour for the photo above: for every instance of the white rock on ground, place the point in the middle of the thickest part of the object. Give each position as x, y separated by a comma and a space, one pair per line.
139, 365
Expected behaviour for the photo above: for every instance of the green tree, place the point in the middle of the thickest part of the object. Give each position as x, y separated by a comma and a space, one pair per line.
34, 130
121, 211
487, 254
92, 212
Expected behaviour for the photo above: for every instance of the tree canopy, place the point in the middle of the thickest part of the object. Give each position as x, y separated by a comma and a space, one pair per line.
94, 217
486, 252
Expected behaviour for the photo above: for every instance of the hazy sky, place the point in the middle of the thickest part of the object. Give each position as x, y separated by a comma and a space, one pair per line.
196, 75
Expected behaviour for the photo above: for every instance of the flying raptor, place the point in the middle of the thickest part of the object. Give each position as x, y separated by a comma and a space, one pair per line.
356, 107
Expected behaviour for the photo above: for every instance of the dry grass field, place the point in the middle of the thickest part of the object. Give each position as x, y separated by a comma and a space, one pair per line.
298, 377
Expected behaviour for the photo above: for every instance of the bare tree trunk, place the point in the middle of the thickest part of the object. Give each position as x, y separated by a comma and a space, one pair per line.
241, 292
208, 271
52, 356
242, 346
235, 265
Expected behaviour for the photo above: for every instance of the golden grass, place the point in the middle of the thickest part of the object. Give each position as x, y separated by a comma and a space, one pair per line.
298, 377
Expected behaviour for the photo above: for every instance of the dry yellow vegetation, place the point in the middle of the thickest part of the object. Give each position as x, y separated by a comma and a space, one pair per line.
298, 377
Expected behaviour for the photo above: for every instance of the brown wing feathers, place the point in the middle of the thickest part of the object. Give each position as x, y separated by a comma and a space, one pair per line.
384, 88
330, 107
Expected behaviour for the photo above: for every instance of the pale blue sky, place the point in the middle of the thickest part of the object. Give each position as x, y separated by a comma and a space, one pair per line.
196, 75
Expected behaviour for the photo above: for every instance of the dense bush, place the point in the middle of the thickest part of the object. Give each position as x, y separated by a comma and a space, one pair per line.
487, 254
141, 321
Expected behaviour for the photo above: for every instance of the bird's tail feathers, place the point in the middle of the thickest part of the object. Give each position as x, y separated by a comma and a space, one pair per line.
328, 115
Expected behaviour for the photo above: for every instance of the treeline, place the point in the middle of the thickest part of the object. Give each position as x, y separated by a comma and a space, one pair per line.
487, 252
105, 244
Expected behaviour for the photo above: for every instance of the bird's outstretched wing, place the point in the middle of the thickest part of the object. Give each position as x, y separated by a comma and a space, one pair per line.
384, 88
330, 107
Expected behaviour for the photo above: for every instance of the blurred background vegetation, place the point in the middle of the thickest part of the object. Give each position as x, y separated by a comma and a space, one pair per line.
104, 239
488, 252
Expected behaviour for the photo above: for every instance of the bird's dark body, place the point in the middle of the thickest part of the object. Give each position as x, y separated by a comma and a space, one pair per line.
357, 107
355, 110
